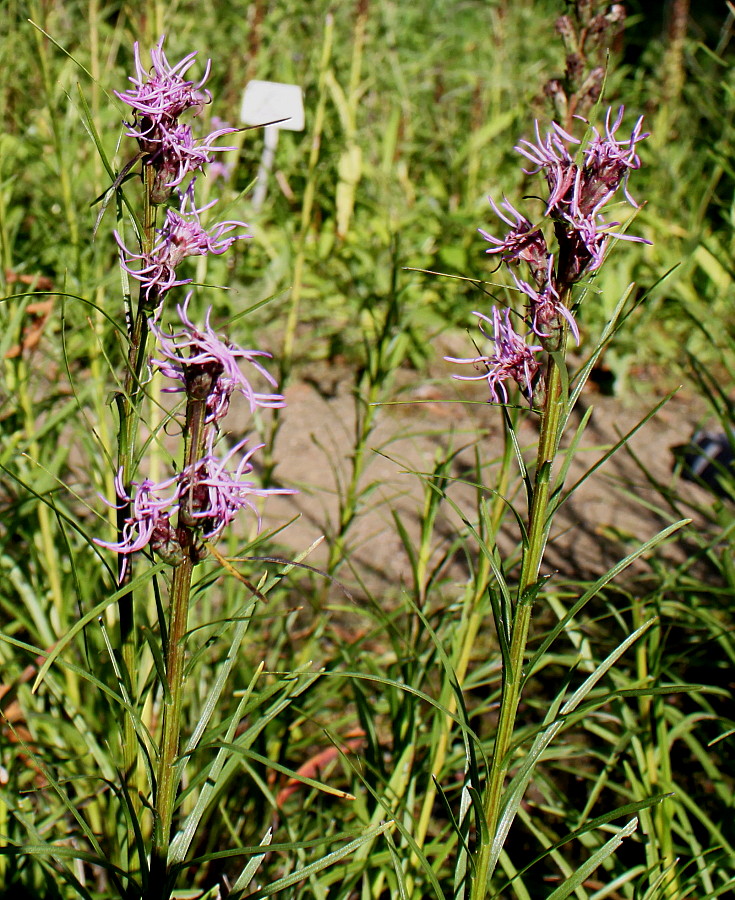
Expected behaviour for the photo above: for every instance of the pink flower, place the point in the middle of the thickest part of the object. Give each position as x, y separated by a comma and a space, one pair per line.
551, 156
546, 306
212, 496
175, 153
150, 515
206, 495
512, 358
191, 349
164, 93
182, 235
607, 163
522, 243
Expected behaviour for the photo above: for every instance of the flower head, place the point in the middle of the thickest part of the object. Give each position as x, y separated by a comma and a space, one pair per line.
182, 235
193, 349
578, 190
206, 494
607, 163
149, 521
163, 93
551, 155
546, 306
522, 243
175, 153
512, 358
158, 98
212, 496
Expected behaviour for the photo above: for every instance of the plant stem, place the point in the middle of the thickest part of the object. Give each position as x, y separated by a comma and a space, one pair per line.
552, 421
168, 775
129, 404
365, 413
168, 764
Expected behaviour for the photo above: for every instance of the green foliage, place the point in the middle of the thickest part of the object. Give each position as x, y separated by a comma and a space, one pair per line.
338, 747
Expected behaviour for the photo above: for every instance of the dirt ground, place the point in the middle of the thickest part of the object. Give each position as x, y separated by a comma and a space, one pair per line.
606, 518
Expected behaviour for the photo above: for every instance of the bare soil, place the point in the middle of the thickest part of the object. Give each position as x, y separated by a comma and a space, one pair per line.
609, 515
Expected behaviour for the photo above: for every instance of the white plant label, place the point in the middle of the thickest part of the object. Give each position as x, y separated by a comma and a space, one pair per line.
273, 101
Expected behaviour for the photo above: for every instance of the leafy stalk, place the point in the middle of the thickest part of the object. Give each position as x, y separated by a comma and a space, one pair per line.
129, 406
168, 770
552, 424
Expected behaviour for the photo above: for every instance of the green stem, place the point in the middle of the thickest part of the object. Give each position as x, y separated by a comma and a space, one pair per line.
365, 413
129, 405
168, 773
169, 769
552, 423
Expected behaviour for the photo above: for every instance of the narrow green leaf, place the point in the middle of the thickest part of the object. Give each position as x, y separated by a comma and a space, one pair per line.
321, 864
594, 589
585, 870
513, 794
614, 449
242, 883
182, 841
94, 613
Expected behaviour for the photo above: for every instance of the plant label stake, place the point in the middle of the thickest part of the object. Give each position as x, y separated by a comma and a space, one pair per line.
275, 106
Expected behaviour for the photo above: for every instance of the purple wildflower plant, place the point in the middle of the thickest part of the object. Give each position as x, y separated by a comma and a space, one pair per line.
182, 235
192, 350
206, 494
512, 358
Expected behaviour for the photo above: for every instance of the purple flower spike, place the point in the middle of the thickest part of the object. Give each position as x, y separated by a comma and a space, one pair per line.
149, 520
212, 496
512, 358
579, 184
191, 348
158, 99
